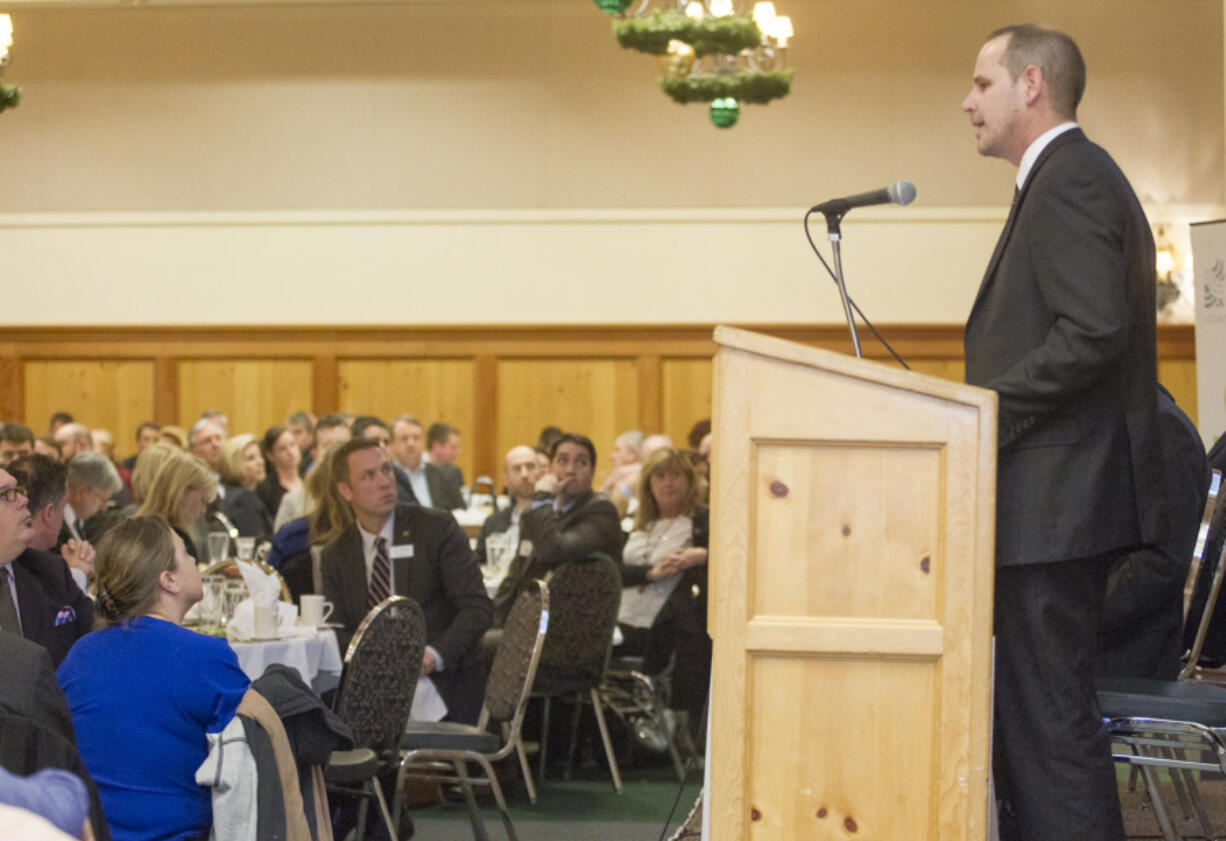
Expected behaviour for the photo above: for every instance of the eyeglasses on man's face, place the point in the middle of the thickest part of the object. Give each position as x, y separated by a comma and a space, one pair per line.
10, 494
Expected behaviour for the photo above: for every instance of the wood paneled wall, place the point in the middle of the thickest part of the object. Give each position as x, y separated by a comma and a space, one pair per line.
498, 385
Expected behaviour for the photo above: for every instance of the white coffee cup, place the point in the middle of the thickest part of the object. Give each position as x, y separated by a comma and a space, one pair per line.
315, 610
266, 621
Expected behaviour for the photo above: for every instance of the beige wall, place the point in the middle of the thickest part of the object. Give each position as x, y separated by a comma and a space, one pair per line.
499, 161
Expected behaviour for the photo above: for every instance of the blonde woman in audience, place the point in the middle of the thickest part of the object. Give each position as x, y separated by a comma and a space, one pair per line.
144, 692
663, 607
181, 493
148, 463
242, 469
281, 451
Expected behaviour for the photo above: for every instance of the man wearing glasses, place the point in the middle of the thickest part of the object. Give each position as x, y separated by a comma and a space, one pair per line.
38, 599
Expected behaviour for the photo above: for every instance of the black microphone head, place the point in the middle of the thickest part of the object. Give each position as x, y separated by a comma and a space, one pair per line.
901, 192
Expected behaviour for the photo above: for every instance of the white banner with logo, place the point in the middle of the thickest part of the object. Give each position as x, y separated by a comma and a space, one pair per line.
1209, 262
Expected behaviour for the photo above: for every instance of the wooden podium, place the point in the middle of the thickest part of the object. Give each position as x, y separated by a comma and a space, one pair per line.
853, 509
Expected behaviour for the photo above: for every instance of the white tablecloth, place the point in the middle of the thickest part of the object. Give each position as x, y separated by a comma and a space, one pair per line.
317, 657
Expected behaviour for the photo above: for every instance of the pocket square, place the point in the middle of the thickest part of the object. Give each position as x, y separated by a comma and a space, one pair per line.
66, 615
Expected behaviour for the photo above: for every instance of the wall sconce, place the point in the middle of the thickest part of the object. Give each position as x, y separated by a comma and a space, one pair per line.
1167, 290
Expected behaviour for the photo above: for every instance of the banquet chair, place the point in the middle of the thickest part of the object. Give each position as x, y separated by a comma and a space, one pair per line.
585, 597
375, 698
1179, 725
440, 751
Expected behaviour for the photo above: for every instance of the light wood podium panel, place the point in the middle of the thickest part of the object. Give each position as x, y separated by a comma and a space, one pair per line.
851, 573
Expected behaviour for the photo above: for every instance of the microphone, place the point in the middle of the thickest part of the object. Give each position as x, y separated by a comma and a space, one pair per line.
900, 192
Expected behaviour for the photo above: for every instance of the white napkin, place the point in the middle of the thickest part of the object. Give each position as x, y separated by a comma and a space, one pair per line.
263, 587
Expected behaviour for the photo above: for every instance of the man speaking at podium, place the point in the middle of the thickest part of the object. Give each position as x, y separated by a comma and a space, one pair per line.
1063, 329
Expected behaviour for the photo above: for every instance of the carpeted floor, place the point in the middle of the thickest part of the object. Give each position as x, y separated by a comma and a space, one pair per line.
588, 809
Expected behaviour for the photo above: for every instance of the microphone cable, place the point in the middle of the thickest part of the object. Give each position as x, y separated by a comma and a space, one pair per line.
854, 305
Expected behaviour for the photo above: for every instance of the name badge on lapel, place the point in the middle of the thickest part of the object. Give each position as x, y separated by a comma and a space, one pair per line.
403, 550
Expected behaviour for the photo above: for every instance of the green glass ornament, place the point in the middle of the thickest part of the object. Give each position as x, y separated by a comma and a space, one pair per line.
725, 112
613, 7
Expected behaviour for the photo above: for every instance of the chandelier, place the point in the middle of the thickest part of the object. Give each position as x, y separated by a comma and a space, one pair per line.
709, 50
10, 95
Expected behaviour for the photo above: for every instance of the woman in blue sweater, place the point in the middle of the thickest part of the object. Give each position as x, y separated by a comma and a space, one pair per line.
144, 691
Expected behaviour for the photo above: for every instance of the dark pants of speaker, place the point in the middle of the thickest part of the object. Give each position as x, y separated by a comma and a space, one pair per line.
1051, 755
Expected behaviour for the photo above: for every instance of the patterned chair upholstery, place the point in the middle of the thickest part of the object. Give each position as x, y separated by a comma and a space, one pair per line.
441, 750
586, 597
376, 695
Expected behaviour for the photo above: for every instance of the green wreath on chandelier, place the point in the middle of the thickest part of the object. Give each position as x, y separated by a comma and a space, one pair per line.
709, 36
757, 87
10, 96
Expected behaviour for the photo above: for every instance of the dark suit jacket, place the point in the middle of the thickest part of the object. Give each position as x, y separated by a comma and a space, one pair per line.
441, 577
590, 525
246, 510
46, 594
443, 495
30, 687
1139, 628
1063, 329
36, 729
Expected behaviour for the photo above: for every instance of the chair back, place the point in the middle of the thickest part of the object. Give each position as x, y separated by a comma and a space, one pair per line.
519, 652
584, 599
1208, 539
380, 675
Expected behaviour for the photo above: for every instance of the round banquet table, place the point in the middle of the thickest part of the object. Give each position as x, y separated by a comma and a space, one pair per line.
316, 657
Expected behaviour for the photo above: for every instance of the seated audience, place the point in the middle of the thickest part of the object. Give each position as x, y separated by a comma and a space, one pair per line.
46, 445
623, 479
568, 521
15, 440
242, 468
302, 427
144, 692
218, 417
180, 493
369, 426
39, 734
148, 463
146, 435
294, 543
176, 436
330, 430
38, 598
419, 482
92, 481
413, 551
1139, 633
204, 440
45, 482
520, 472
73, 438
443, 448
652, 443
282, 455
101, 441
701, 429
58, 419
665, 561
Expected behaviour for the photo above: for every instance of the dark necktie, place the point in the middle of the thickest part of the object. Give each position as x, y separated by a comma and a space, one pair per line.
380, 575
8, 611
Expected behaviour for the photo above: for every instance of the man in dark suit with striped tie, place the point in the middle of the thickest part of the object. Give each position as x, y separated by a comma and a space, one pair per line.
412, 551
